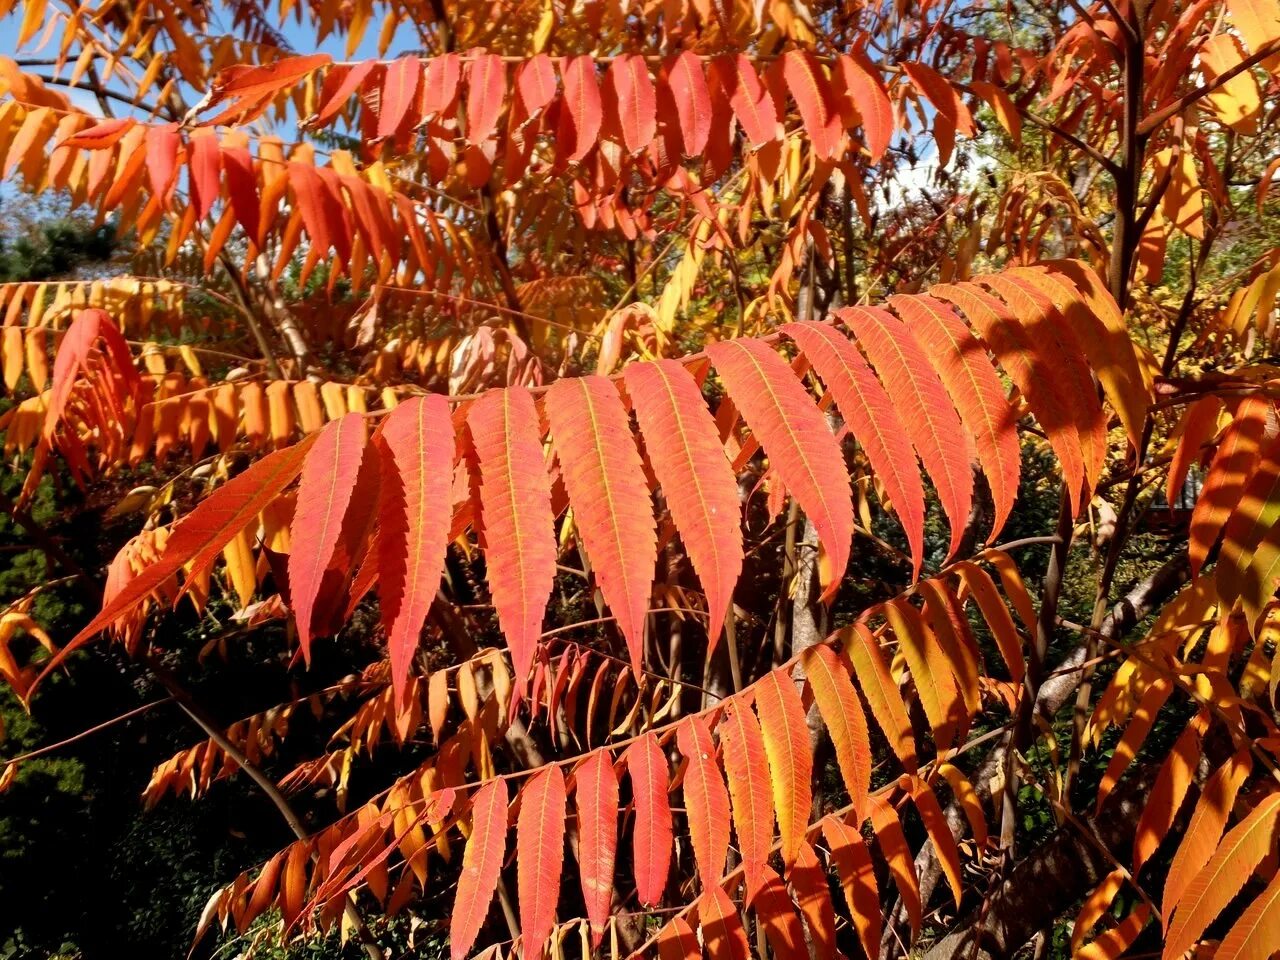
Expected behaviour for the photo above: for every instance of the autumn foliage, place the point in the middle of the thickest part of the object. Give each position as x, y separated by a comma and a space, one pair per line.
615, 369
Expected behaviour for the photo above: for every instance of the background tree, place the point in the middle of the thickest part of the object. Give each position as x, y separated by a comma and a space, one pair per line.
608, 343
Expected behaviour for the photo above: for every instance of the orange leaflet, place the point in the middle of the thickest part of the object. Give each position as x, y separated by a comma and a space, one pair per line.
996, 615
651, 837
935, 823
677, 941
902, 867
746, 769
596, 800
1204, 828
1257, 931
415, 446
809, 883
872, 418
602, 472
771, 903
1233, 464
842, 713
721, 926
1199, 426
1170, 789
786, 744
697, 481
1056, 343
976, 391
481, 866
1035, 379
520, 540
540, 856
1219, 880
705, 799
931, 421
857, 876
328, 479
795, 435
882, 693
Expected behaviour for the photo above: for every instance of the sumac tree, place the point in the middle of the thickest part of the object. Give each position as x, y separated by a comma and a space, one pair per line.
615, 364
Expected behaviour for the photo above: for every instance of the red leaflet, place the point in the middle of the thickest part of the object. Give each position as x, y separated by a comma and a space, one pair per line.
686, 85
975, 390
838, 703
539, 856
931, 421
632, 88
751, 102
747, 771
399, 90
1233, 463
163, 143
308, 192
786, 744
415, 445
647, 768
705, 800
339, 84
794, 434
857, 876
952, 116
242, 186
596, 798
255, 83
328, 478
99, 136
440, 85
602, 472
481, 866
688, 458
520, 540
581, 112
721, 926
204, 164
486, 91
855, 80
199, 537
812, 93
535, 84
874, 420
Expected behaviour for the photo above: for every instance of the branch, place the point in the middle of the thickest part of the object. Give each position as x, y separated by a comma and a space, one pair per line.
1164, 113
197, 713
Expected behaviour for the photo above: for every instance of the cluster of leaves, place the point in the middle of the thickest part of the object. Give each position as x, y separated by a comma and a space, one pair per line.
500, 171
